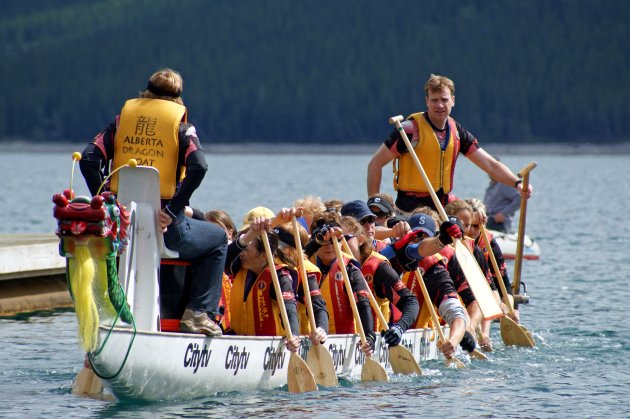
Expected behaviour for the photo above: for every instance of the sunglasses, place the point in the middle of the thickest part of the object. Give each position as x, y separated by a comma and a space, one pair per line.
368, 220
380, 214
348, 237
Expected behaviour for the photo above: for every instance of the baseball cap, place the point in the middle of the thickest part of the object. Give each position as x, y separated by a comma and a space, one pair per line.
357, 209
255, 213
381, 203
422, 222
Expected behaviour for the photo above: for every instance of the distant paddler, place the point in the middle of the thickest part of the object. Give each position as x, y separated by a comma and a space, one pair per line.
437, 140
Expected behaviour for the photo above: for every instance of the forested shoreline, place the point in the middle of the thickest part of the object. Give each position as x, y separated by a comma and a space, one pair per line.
315, 72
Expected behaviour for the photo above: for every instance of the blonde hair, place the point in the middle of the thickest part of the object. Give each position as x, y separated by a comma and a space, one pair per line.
311, 204
169, 81
333, 205
477, 205
438, 83
456, 206
357, 230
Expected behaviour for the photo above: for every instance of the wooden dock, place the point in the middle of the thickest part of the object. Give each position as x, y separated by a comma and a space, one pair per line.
32, 274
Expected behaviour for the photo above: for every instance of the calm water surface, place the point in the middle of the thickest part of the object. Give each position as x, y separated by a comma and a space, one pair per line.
578, 293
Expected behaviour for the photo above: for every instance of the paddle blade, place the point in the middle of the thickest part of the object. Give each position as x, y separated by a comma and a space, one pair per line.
402, 361
513, 334
478, 355
87, 383
299, 377
373, 371
477, 282
454, 363
321, 364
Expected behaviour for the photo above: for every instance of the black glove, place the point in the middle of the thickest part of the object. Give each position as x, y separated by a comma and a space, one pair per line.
468, 342
450, 229
393, 336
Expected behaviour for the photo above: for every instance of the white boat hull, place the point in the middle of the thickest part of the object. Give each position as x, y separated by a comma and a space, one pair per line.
508, 243
180, 366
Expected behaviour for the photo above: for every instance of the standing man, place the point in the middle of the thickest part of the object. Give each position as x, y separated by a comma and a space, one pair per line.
437, 140
154, 130
501, 204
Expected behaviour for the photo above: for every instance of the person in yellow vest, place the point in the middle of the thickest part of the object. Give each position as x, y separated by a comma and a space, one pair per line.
287, 251
464, 212
254, 309
153, 130
322, 252
437, 140
405, 257
383, 281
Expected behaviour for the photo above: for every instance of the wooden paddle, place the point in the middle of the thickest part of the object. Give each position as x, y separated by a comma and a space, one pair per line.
516, 284
400, 358
372, 370
299, 376
87, 383
450, 362
512, 333
488, 303
318, 358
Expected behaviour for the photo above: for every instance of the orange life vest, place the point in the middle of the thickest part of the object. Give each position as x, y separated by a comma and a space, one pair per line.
368, 269
438, 164
341, 319
255, 314
148, 132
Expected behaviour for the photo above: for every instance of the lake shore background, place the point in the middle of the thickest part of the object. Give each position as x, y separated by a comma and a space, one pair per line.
325, 148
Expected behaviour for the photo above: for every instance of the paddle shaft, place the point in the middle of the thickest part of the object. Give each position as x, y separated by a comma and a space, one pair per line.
300, 257
373, 301
346, 281
276, 285
518, 263
495, 265
416, 160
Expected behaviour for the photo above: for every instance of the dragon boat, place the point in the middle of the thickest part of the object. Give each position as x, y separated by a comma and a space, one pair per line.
114, 248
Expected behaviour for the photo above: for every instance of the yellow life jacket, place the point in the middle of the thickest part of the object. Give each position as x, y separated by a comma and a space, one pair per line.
148, 132
438, 164
305, 324
256, 314
368, 269
341, 319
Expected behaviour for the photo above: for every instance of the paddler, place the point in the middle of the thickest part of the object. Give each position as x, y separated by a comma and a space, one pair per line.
405, 257
321, 250
463, 211
383, 280
287, 251
254, 309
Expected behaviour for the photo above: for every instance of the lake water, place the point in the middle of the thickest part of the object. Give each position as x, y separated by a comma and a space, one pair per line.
578, 310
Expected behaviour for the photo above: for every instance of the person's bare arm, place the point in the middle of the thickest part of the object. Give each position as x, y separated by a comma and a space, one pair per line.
375, 169
497, 170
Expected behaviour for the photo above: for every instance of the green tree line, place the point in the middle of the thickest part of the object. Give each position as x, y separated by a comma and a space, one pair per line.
319, 71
